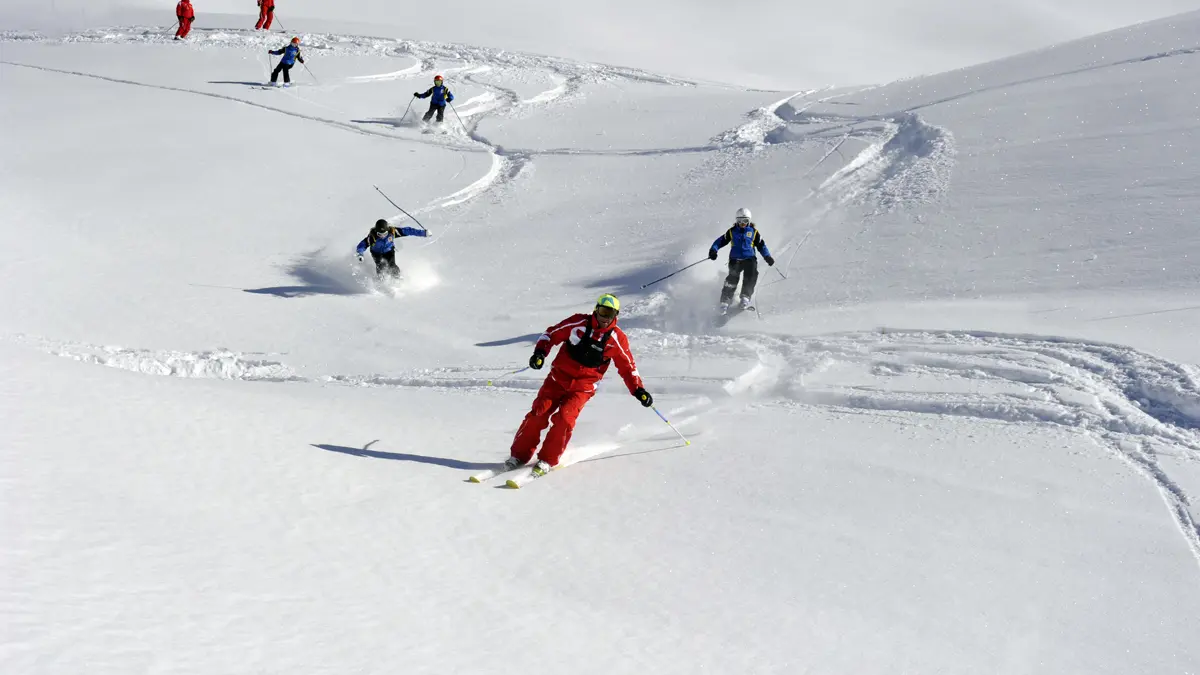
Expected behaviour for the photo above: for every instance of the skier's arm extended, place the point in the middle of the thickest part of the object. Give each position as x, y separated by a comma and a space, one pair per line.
364, 245
411, 232
720, 243
427, 93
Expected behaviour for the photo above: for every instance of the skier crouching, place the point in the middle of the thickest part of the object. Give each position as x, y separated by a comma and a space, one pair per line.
591, 342
381, 241
290, 54
743, 239
439, 95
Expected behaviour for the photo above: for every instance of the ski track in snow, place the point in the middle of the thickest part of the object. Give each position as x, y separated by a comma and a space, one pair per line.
1137, 406
731, 149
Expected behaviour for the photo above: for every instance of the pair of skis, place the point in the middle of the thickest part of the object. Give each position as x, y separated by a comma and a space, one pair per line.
518, 477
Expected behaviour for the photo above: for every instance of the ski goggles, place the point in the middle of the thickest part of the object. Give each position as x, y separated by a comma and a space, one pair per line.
605, 312
742, 220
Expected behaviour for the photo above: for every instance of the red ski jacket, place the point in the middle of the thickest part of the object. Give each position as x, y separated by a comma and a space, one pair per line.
266, 3
184, 10
585, 344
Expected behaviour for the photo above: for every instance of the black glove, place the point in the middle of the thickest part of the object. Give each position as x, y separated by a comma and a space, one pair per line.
537, 360
359, 257
643, 396
417, 94
712, 254
770, 260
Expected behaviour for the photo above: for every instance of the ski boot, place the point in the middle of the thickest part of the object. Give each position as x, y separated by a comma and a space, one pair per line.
512, 464
724, 308
541, 469
747, 304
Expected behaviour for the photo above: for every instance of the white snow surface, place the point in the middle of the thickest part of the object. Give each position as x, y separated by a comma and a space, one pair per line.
961, 434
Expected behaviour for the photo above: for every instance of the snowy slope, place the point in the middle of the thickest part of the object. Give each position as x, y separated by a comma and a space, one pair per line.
961, 437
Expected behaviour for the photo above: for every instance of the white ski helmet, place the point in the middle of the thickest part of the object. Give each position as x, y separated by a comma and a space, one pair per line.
742, 216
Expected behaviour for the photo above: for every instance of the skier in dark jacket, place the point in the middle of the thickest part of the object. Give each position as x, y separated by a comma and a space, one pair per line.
438, 96
290, 54
744, 240
381, 241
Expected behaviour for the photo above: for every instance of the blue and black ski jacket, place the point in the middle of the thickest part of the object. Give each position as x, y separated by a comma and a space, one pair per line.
387, 241
291, 54
441, 95
744, 240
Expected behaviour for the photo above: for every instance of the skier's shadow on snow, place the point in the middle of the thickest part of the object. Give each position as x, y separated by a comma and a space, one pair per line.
247, 84
630, 283
385, 121
365, 451
317, 282
531, 338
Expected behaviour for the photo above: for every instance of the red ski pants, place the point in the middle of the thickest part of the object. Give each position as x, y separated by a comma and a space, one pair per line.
185, 26
554, 405
265, 14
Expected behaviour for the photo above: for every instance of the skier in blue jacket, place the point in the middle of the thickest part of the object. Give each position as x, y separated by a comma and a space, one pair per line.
381, 241
438, 96
743, 239
291, 54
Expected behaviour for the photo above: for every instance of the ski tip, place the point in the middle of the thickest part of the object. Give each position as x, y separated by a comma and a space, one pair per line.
474, 479
687, 442
513, 484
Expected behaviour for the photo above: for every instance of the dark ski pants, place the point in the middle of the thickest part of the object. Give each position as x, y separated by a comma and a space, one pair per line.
439, 109
386, 262
285, 68
738, 268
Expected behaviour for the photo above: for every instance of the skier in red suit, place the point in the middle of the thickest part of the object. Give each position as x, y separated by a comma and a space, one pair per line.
266, 12
591, 342
186, 15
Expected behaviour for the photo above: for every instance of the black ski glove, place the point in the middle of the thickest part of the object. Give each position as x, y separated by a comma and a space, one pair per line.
537, 360
643, 396
416, 94
712, 254
359, 257
770, 260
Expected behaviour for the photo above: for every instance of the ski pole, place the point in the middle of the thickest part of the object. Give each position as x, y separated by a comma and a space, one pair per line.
674, 273
660, 416
314, 77
794, 251
276, 17
515, 372
460, 122
407, 109
174, 26
398, 206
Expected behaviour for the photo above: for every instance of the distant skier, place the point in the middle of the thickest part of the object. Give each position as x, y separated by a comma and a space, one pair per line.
745, 238
266, 13
381, 241
441, 96
186, 15
592, 341
291, 54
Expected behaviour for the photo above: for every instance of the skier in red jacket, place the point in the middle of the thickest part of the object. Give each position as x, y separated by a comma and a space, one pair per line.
186, 15
592, 341
266, 12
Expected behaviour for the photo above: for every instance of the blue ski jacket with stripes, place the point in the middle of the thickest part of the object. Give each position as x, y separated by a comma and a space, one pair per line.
387, 241
742, 241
